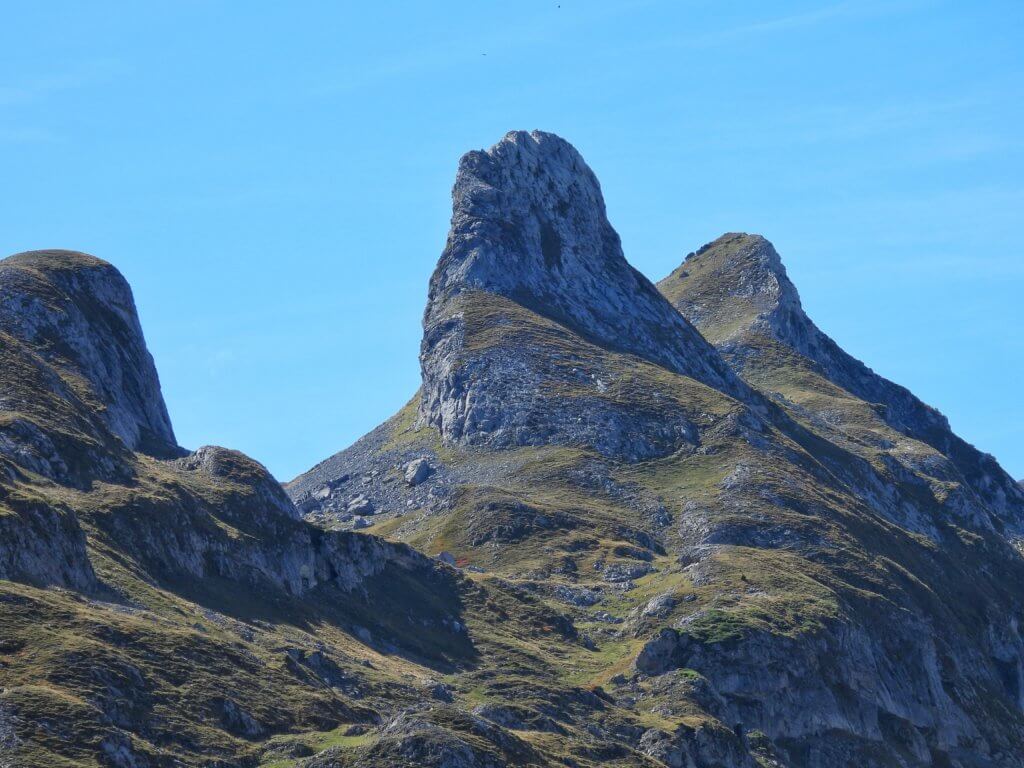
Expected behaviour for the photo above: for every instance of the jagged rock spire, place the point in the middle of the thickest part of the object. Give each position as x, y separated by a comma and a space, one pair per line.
529, 226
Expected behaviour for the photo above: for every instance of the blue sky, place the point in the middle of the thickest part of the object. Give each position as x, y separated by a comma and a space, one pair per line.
275, 183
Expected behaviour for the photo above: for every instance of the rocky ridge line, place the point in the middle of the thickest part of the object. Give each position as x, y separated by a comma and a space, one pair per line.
742, 275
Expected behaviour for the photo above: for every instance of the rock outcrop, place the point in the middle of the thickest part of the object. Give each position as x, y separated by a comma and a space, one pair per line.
113, 541
530, 243
44, 546
77, 313
81, 400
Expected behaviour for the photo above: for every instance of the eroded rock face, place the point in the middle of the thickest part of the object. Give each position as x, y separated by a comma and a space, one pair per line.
844, 680
48, 427
705, 745
529, 234
78, 314
44, 546
183, 537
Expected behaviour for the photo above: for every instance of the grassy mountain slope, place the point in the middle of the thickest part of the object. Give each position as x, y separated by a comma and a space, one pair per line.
615, 527
785, 575
174, 609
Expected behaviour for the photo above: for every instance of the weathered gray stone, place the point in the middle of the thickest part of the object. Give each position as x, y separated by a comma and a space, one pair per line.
360, 505
529, 227
78, 313
417, 471
579, 596
660, 606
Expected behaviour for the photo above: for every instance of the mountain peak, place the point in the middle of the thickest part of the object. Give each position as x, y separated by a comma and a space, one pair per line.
528, 216
77, 313
736, 291
529, 223
529, 231
739, 277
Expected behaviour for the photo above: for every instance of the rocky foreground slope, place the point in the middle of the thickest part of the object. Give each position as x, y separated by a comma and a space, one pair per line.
620, 524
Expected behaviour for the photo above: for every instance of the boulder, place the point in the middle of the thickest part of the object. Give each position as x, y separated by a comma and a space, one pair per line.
446, 557
660, 606
417, 471
360, 505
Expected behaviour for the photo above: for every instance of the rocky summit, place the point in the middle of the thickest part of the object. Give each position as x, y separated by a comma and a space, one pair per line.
620, 524
531, 251
736, 291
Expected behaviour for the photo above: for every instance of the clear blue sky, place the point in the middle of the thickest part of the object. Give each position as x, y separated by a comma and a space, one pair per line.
275, 183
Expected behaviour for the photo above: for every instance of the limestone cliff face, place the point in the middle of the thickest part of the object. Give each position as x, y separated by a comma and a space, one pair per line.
77, 313
529, 237
45, 546
47, 427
